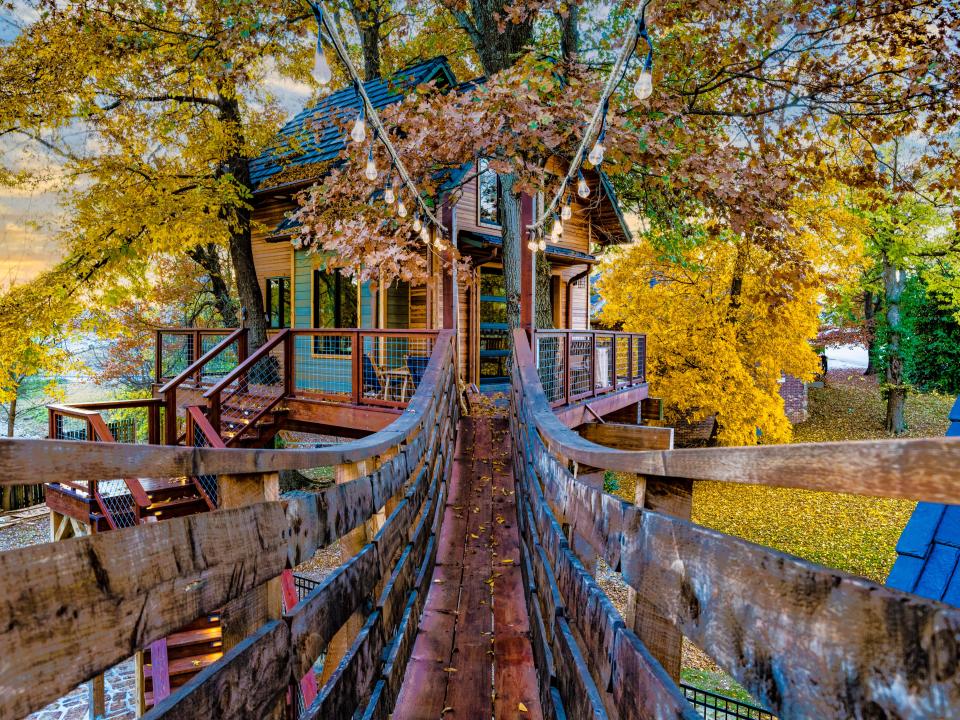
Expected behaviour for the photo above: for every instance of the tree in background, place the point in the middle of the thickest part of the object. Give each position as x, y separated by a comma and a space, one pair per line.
727, 316
931, 343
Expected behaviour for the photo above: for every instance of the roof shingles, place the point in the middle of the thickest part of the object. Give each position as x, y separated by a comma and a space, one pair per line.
313, 136
929, 547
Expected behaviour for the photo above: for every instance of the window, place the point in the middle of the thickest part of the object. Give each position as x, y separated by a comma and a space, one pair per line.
334, 306
488, 194
278, 302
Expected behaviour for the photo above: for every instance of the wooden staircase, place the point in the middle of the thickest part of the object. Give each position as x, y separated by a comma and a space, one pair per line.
174, 660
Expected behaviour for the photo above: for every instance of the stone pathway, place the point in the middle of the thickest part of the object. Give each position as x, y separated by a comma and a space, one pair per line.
120, 696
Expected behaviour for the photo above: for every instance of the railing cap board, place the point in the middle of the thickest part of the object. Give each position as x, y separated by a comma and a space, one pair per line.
915, 469
70, 460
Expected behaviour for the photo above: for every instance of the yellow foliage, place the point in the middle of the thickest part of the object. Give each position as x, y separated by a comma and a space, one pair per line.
726, 318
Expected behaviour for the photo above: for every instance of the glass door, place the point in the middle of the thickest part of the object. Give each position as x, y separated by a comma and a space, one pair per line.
494, 340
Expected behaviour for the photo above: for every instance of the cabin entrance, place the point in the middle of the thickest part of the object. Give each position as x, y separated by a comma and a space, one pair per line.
494, 352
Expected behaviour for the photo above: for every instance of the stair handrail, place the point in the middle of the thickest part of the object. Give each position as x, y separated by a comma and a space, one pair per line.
168, 392
213, 395
197, 422
198, 364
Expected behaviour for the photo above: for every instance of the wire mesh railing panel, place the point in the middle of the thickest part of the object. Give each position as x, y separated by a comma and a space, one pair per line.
622, 361
581, 364
712, 706
605, 374
66, 427
115, 498
208, 483
175, 353
253, 391
323, 364
304, 585
640, 358
393, 365
220, 365
550, 365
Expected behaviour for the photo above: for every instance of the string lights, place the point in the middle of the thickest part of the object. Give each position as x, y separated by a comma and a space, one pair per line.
424, 216
596, 130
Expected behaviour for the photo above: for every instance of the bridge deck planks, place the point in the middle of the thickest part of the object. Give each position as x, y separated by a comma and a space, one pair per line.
472, 656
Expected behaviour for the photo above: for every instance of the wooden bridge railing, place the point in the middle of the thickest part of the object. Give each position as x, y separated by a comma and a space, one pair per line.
806, 641
142, 583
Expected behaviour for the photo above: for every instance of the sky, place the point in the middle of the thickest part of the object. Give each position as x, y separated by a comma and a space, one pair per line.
31, 217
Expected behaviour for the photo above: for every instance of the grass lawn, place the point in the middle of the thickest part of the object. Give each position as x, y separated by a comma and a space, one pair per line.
852, 533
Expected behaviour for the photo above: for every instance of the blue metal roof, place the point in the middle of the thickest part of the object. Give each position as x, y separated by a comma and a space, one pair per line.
314, 135
929, 547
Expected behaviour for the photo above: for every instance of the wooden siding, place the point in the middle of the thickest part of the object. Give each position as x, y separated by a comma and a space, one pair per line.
271, 259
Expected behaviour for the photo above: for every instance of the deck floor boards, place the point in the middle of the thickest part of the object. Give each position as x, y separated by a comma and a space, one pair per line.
472, 656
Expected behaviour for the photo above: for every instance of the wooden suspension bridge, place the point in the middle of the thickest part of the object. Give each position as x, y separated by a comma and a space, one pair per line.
471, 545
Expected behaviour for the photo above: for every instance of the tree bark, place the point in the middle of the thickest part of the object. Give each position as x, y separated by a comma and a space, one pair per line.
207, 257
510, 231
11, 417
367, 18
543, 305
870, 306
893, 283
241, 246
570, 32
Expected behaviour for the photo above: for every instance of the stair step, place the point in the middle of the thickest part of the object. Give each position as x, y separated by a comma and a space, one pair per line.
185, 666
194, 637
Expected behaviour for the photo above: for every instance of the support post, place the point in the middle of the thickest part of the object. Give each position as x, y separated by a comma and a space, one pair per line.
245, 615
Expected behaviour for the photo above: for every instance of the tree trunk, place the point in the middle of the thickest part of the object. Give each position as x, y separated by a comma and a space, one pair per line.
543, 310
893, 283
870, 306
207, 257
11, 417
510, 231
367, 17
570, 32
241, 247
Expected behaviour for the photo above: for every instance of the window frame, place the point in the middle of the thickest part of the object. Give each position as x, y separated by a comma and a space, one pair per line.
480, 173
325, 345
284, 318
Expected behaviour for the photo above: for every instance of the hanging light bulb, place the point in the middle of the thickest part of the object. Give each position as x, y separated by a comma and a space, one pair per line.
370, 171
532, 245
425, 234
596, 155
643, 88
566, 212
542, 245
401, 208
321, 68
416, 223
438, 241
583, 190
359, 131
557, 230
388, 195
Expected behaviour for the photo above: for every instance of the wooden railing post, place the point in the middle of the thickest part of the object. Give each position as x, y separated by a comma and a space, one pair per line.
245, 615
566, 369
356, 363
350, 544
289, 383
158, 357
671, 496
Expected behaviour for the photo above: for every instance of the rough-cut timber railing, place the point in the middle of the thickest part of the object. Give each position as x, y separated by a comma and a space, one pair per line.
805, 641
119, 501
145, 582
578, 364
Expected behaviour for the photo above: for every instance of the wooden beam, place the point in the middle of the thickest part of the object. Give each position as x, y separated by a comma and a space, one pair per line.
628, 437
142, 583
577, 414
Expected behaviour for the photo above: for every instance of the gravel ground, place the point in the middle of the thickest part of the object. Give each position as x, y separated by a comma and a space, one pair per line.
25, 533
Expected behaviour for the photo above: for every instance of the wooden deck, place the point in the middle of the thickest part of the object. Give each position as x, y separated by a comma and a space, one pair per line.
472, 657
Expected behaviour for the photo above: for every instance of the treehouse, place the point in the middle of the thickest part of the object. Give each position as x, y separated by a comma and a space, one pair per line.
471, 544
300, 293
